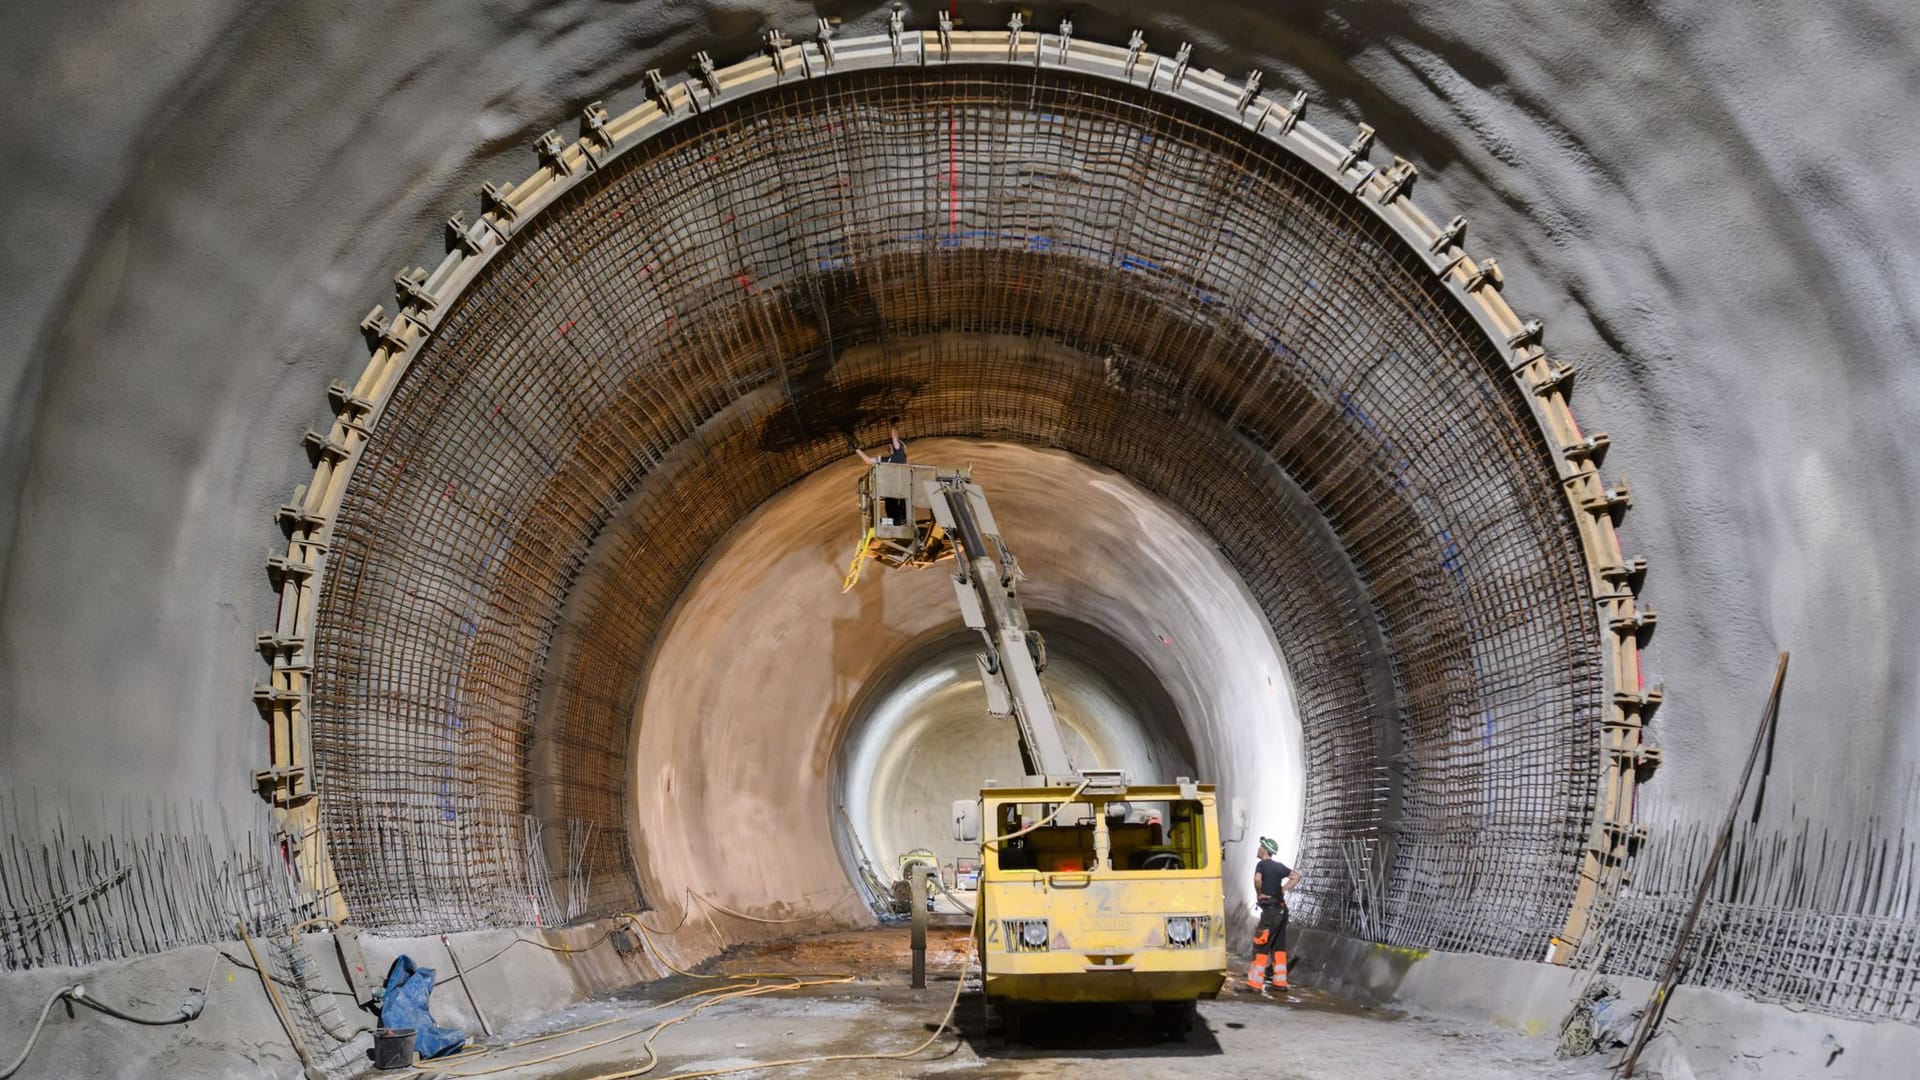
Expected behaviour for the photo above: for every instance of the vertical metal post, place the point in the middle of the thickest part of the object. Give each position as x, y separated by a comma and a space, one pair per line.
466, 986
917, 896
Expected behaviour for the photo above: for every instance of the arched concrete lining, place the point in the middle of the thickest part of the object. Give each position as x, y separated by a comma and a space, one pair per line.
1713, 231
761, 671
1299, 336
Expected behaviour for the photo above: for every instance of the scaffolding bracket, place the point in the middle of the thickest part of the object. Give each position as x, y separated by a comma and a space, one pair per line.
1136, 43
552, 153
1249, 91
1487, 276
823, 40
777, 43
1357, 149
1399, 177
1180, 61
593, 124
703, 66
410, 286
1593, 448
1450, 237
656, 89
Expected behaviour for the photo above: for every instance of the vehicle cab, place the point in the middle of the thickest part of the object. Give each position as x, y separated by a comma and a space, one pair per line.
1099, 897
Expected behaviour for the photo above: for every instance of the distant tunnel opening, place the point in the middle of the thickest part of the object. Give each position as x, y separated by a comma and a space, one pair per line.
862, 714
1094, 278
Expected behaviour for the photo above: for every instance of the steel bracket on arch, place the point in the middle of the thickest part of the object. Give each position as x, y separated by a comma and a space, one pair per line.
1595, 508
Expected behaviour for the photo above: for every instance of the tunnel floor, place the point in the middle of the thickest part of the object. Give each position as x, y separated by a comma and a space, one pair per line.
857, 1001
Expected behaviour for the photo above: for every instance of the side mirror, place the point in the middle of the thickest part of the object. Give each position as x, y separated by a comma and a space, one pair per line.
966, 820
1239, 820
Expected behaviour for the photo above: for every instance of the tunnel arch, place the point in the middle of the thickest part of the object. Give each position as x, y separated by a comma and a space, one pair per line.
1153, 268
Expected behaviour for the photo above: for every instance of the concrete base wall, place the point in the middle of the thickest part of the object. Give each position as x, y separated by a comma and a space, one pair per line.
239, 1035
1707, 1033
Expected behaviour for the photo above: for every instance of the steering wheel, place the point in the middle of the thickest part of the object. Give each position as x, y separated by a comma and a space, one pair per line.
1163, 860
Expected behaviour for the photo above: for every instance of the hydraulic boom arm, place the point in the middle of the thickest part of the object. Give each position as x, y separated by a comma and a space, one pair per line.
918, 515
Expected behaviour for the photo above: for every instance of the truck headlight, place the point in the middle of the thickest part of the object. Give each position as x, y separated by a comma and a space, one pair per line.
1185, 931
1028, 935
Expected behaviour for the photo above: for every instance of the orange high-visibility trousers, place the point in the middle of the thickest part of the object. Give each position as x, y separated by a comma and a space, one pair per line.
1269, 965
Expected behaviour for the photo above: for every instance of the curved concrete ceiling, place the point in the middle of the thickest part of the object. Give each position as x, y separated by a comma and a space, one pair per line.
1076, 245
1717, 239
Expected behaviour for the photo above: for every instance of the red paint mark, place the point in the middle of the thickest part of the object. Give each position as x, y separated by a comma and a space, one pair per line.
496, 409
743, 281
1165, 640
448, 493
618, 211
566, 326
729, 217
668, 321
647, 269
846, 181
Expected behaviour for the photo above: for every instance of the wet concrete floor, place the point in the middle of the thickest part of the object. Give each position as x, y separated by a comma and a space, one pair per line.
848, 994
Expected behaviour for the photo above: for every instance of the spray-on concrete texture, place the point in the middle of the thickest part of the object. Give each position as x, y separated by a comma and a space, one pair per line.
1709, 208
727, 749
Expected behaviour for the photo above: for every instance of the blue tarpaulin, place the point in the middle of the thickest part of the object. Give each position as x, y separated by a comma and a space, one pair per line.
404, 1005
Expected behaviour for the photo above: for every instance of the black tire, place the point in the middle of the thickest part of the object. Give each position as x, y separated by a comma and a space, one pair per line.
1175, 1018
1010, 1017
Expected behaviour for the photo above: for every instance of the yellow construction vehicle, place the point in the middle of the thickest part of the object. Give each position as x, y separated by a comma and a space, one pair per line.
1092, 888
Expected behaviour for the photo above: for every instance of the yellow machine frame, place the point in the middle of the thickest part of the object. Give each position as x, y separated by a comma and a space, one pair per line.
1107, 929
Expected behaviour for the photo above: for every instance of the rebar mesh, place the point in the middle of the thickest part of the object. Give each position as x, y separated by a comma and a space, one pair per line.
1819, 915
1035, 256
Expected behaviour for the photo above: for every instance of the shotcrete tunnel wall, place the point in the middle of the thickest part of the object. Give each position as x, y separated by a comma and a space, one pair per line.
761, 753
1716, 232
1018, 252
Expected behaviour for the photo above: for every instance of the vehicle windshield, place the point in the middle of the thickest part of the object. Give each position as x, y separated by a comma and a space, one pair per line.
1143, 837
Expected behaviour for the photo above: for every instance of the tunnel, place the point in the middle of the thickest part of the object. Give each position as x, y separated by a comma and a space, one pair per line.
1380, 626
556, 641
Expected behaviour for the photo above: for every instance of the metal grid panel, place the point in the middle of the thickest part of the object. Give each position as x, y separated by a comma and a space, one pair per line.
674, 333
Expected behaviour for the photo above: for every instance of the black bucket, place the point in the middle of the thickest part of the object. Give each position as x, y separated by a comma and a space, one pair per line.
393, 1048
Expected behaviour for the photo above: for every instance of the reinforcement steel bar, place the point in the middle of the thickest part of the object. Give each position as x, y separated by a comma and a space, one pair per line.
1098, 248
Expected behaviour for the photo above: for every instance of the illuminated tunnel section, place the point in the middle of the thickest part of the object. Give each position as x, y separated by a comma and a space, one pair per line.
1078, 277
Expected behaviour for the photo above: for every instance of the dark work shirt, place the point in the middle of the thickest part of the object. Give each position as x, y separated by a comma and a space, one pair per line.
898, 455
1268, 876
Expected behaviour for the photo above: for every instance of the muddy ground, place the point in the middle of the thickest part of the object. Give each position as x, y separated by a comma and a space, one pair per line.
857, 1001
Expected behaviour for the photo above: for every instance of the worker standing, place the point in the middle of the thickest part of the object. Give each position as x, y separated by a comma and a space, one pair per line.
1272, 881
895, 509
896, 453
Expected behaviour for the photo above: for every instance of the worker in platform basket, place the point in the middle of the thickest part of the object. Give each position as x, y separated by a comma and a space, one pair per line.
896, 509
1272, 881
